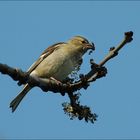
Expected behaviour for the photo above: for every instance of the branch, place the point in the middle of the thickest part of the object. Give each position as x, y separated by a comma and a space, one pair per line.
112, 53
97, 71
80, 111
93, 74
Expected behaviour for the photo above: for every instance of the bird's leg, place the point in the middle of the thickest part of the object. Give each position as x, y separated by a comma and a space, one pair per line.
57, 81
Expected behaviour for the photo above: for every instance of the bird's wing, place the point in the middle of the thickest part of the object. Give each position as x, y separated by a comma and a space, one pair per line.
46, 53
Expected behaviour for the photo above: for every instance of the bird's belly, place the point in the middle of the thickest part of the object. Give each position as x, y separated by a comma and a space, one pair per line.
63, 71
58, 66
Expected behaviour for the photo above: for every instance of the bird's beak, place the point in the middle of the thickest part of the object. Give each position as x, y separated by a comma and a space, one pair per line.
90, 46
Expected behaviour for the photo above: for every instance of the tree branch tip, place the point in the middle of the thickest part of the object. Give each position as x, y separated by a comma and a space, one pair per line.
128, 36
130, 33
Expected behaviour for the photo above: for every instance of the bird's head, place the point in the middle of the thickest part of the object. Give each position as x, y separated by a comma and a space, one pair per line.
81, 44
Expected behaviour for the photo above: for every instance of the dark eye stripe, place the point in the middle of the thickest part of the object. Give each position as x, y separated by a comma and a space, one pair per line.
84, 41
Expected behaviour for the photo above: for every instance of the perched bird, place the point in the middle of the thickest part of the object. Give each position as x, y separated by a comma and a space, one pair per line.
56, 62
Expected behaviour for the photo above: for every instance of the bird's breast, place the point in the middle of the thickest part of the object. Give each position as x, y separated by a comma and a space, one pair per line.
59, 65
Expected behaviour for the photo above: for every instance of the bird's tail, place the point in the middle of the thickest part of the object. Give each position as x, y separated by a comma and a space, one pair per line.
14, 104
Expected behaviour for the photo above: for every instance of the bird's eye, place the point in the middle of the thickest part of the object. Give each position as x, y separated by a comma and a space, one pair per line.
84, 41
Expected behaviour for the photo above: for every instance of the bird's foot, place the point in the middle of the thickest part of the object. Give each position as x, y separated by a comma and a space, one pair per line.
55, 80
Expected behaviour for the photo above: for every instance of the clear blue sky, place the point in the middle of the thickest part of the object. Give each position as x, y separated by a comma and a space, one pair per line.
27, 28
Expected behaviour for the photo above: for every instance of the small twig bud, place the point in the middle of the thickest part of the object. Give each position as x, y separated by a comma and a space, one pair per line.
112, 48
128, 36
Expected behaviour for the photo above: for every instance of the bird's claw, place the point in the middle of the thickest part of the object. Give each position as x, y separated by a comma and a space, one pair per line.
55, 80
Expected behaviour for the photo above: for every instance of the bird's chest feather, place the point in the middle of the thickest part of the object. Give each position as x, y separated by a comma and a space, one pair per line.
59, 65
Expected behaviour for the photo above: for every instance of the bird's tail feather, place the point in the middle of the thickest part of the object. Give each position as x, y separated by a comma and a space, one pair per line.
14, 104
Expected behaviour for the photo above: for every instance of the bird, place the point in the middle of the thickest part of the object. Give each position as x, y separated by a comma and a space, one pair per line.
56, 62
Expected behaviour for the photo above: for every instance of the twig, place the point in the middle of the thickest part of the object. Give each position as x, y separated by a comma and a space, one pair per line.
92, 75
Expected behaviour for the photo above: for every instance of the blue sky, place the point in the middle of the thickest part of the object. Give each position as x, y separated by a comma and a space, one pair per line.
27, 28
